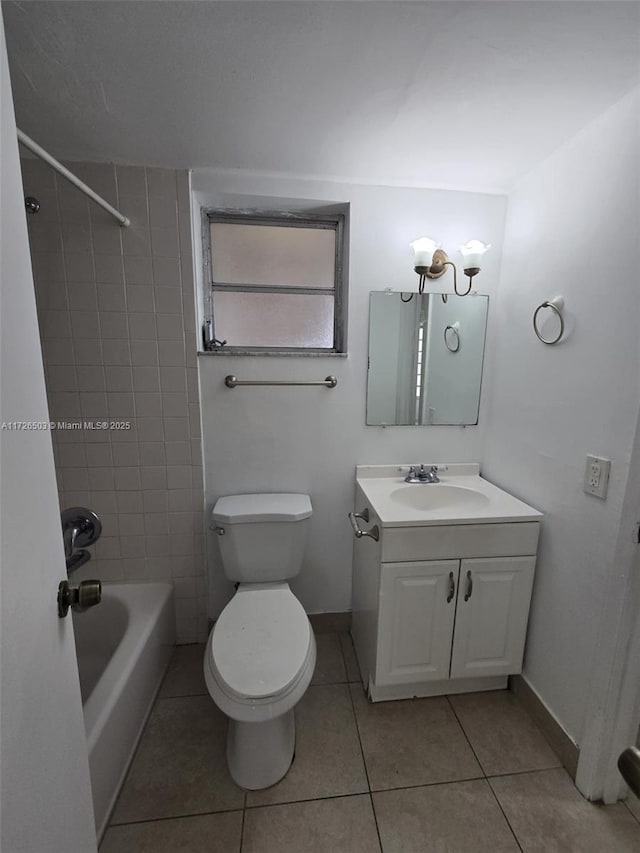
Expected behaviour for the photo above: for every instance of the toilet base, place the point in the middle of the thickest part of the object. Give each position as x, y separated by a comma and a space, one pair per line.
259, 754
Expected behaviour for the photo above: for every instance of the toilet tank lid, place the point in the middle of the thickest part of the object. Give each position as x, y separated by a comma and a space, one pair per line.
244, 509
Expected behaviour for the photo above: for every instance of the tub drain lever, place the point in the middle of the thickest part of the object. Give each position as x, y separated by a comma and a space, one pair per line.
86, 594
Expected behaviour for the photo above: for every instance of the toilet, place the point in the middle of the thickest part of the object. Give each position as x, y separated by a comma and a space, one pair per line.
261, 653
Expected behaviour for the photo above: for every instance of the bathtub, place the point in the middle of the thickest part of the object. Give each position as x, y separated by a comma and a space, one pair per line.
123, 646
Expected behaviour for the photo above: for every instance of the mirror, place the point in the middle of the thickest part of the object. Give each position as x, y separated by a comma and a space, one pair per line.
425, 358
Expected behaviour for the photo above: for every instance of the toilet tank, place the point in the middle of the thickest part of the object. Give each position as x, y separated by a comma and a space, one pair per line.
262, 537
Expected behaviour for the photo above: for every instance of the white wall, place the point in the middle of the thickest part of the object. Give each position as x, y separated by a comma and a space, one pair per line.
310, 439
46, 793
572, 229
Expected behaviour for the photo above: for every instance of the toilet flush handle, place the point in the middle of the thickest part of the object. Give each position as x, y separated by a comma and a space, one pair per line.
220, 531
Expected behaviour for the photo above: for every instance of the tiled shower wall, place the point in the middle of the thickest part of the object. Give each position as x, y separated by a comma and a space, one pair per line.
117, 325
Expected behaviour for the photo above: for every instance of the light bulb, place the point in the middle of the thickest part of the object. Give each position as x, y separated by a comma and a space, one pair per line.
423, 249
472, 253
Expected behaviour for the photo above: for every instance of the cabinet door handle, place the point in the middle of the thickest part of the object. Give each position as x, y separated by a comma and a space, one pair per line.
452, 588
374, 533
469, 587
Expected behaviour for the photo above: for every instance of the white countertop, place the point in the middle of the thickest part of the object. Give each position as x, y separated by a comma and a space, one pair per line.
488, 504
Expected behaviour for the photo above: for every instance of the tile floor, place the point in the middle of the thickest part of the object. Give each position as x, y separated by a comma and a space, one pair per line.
458, 774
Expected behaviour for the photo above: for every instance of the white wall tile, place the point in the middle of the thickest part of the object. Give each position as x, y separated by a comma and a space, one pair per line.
127, 479
82, 296
111, 297
148, 405
169, 327
153, 477
146, 379
113, 325
140, 298
88, 352
152, 453
167, 273
101, 479
176, 429
109, 268
115, 352
120, 405
104, 344
142, 327
171, 354
119, 379
99, 455
179, 476
178, 453
154, 500
91, 379
84, 324
156, 523
125, 455
138, 270
131, 524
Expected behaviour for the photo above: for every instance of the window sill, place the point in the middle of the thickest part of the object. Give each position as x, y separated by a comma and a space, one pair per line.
271, 353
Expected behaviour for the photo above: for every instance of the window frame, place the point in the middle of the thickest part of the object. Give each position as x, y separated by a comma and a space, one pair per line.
281, 218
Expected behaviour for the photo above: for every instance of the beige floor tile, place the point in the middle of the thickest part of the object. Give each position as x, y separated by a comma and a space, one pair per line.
180, 767
412, 742
548, 815
343, 825
185, 676
330, 667
350, 658
503, 736
328, 759
462, 816
213, 833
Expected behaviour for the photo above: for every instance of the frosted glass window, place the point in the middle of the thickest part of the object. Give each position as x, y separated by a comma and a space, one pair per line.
274, 319
275, 281
274, 255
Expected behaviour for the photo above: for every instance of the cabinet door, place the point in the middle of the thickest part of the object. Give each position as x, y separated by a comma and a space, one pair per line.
416, 614
491, 616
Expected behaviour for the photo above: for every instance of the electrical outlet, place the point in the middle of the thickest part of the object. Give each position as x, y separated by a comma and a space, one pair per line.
596, 476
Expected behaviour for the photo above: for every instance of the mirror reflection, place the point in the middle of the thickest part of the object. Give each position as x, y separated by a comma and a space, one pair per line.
425, 358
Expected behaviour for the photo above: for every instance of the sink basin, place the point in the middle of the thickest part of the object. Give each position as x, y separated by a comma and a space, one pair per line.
438, 496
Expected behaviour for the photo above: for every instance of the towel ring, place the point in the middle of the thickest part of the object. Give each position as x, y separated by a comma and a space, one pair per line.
446, 342
556, 305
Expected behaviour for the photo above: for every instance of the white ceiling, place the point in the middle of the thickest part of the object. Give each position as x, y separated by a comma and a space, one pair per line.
467, 95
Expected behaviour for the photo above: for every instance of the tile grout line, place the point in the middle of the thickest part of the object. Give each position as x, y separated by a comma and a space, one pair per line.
486, 778
364, 762
244, 813
629, 809
185, 816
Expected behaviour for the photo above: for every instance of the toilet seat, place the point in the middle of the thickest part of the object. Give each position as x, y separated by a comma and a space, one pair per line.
259, 648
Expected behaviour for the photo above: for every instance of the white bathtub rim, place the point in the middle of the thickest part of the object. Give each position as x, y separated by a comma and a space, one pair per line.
100, 704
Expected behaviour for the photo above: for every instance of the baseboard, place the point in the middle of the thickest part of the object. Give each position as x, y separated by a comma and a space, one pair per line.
567, 751
329, 623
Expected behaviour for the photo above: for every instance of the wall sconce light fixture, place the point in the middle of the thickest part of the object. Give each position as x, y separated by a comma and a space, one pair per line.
430, 261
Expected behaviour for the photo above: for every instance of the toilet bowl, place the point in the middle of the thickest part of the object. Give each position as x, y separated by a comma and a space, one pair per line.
261, 653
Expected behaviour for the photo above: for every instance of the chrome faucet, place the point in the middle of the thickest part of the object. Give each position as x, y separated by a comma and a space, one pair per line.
421, 475
80, 527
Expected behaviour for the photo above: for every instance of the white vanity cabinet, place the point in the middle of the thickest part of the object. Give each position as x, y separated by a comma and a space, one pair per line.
441, 608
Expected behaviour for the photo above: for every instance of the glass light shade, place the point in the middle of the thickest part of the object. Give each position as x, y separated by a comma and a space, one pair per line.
472, 253
423, 249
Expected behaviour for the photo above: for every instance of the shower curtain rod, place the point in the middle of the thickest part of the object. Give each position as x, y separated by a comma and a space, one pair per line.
44, 155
